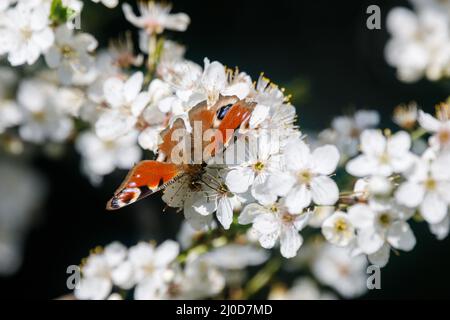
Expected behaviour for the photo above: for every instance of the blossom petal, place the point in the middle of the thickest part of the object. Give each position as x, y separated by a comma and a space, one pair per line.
324, 191
400, 236
53, 57
250, 212
428, 122
372, 142
441, 229
298, 155
381, 257
93, 288
410, 194
225, 212
266, 223
433, 208
290, 242
259, 114
132, 86
166, 252
369, 241
112, 90
268, 240
325, 159
140, 103
399, 144
281, 183
361, 216
203, 205
113, 124
123, 275
298, 199
238, 180
361, 166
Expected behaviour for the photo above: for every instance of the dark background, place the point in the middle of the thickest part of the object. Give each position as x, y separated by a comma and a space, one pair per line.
320, 50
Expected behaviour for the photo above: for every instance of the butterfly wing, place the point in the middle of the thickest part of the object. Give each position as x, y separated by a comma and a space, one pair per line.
145, 178
237, 116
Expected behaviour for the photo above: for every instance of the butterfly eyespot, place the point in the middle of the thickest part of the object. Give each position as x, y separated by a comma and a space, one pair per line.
223, 111
125, 197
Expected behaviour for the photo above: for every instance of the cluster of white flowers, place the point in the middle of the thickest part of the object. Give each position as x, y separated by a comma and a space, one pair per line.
147, 271
395, 185
420, 43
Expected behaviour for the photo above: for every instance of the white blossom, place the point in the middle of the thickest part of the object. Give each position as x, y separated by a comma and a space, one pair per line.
302, 289
420, 43
345, 131
440, 128
156, 17
25, 33
126, 103
108, 3
261, 159
10, 115
101, 157
335, 267
70, 53
338, 229
236, 256
42, 119
381, 225
305, 178
98, 280
382, 155
428, 188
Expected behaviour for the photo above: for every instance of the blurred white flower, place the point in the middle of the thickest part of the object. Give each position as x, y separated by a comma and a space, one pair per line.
156, 115
70, 53
420, 43
108, 3
428, 188
441, 229
98, 280
42, 119
236, 256
380, 225
302, 289
101, 157
149, 261
126, 103
10, 115
25, 33
440, 128
122, 52
377, 186
335, 267
345, 131
201, 279
306, 176
382, 155
156, 17
405, 116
